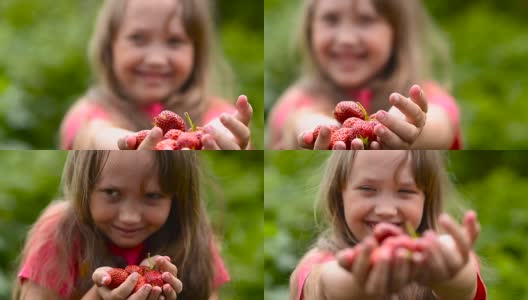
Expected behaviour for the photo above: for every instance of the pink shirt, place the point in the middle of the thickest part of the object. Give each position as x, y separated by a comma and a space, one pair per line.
319, 257
31, 268
435, 95
90, 111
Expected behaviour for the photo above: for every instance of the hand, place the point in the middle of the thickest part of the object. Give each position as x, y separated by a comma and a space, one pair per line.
405, 120
129, 142
102, 279
230, 132
169, 274
445, 260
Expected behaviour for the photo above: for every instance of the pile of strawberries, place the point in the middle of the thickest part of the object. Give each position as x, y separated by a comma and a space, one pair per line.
355, 123
147, 274
175, 135
390, 238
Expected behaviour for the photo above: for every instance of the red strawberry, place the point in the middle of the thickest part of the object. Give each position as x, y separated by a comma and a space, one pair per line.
118, 276
168, 120
166, 145
141, 282
348, 109
145, 269
318, 129
188, 140
342, 134
364, 130
154, 278
140, 137
173, 134
379, 253
134, 268
350, 122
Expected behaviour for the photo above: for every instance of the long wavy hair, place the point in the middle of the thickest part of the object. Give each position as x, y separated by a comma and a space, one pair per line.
417, 50
431, 178
67, 229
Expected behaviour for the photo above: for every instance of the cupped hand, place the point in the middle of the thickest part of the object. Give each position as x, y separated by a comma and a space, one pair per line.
404, 122
173, 286
230, 131
445, 258
102, 279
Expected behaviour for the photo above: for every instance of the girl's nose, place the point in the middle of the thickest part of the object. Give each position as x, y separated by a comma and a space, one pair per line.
385, 210
348, 34
156, 56
129, 213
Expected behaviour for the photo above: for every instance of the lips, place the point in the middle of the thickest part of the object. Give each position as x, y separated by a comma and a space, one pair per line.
127, 231
373, 224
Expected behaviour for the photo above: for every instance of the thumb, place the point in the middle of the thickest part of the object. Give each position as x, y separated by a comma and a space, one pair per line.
155, 135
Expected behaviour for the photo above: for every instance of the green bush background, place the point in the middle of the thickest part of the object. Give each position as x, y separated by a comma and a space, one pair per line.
44, 68
494, 183
233, 191
489, 45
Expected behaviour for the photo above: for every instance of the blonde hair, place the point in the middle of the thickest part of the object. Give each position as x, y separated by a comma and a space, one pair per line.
418, 48
78, 246
430, 177
192, 96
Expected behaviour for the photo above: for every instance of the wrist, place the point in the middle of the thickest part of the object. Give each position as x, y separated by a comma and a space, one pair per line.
462, 286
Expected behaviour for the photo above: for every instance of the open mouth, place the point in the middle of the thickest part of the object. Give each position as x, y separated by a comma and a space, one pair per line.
372, 224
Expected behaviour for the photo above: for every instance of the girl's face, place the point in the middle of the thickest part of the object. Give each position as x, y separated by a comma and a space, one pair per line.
153, 56
380, 190
351, 42
127, 203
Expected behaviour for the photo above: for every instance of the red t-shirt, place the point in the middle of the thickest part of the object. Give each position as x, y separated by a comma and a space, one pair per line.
435, 95
31, 268
90, 111
319, 257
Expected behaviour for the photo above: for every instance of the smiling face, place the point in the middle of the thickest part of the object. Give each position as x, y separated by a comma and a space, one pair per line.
351, 42
152, 54
381, 188
127, 203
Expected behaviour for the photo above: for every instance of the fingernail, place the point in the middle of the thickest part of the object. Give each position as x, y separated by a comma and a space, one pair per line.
381, 115
135, 275
209, 129
224, 118
308, 138
105, 278
381, 131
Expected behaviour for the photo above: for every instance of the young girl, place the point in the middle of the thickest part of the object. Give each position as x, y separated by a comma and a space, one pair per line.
364, 191
373, 52
150, 56
118, 207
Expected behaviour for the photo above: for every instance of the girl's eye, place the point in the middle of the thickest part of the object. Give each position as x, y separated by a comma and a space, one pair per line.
406, 191
175, 41
111, 193
153, 196
367, 189
330, 18
366, 19
137, 38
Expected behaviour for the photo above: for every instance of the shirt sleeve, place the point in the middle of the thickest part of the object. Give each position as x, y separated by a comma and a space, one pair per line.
438, 96
221, 276
305, 267
75, 118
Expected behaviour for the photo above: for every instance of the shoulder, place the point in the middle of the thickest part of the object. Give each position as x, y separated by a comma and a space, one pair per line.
216, 107
306, 265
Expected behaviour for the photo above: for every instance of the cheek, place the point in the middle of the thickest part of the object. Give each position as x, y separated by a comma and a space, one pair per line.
101, 212
157, 216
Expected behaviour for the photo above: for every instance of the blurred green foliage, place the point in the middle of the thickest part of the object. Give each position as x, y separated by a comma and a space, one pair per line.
44, 68
489, 47
494, 183
232, 188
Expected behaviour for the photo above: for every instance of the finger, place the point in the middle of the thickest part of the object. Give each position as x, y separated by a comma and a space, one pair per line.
305, 140
388, 139
323, 140
375, 146
412, 111
223, 140
244, 110
101, 277
377, 282
339, 145
127, 287
143, 293
209, 143
155, 293
400, 270
127, 142
357, 144
434, 256
174, 282
401, 128
154, 136
240, 131
459, 234
452, 258
345, 258
418, 96
166, 265
361, 267
169, 292
472, 226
